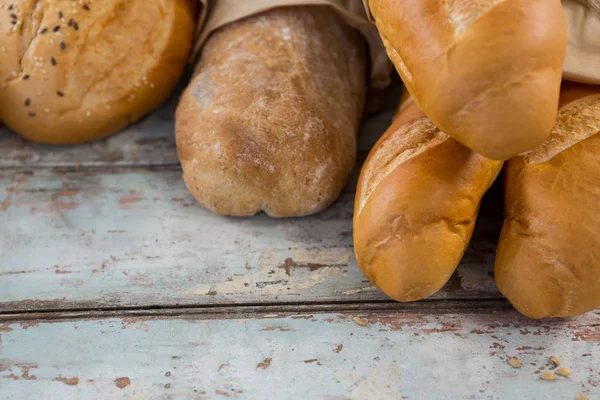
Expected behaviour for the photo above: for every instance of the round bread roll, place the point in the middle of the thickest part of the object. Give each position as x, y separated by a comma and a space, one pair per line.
416, 203
269, 121
548, 258
486, 72
74, 71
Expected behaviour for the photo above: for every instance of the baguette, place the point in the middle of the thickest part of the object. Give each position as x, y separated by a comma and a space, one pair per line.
548, 258
473, 65
416, 203
74, 71
269, 121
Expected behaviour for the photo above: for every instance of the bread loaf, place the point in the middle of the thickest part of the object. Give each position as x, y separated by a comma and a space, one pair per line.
548, 259
486, 72
269, 121
74, 71
416, 203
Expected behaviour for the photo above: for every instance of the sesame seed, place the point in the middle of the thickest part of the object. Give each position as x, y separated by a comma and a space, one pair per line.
56, 28
13, 15
42, 31
59, 93
51, 41
60, 15
25, 77
53, 61
75, 26
86, 7
31, 114
11, 6
27, 102
14, 22
62, 45
70, 23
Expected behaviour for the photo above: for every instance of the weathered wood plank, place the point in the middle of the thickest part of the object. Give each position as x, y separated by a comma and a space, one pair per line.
303, 356
85, 238
150, 142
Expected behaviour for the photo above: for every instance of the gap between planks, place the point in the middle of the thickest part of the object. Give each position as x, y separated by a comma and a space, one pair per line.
256, 310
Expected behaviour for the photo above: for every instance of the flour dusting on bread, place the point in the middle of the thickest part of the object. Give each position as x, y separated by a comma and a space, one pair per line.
576, 122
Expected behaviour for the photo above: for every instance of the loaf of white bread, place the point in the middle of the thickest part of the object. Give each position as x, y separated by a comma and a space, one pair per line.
486, 72
416, 203
74, 71
548, 259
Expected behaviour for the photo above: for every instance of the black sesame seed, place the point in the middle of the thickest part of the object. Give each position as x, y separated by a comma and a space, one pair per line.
13, 15
43, 30
59, 93
31, 114
70, 23
53, 61
27, 102
14, 22
86, 7
25, 77
56, 28
11, 6
60, 15
62, 45
75, 26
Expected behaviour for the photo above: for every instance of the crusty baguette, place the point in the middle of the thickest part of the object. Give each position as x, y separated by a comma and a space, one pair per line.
417, 199
269, 121
74, 71
548, 259
486, 72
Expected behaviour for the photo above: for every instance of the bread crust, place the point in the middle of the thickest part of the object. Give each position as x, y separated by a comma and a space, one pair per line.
486, 72
269, 121
75, 71
416, 203
548, 258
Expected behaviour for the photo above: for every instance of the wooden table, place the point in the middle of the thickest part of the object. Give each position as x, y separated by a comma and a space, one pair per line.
115, 284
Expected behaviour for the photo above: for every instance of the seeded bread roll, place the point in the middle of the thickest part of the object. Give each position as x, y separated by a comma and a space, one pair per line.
548, 259
486, 72
416, 203
74, 71
269, 121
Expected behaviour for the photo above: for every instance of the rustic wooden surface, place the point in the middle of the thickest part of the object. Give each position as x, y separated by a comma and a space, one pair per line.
114, 284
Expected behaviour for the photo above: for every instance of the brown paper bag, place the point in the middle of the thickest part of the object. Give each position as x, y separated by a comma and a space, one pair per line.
215, 14
582, 63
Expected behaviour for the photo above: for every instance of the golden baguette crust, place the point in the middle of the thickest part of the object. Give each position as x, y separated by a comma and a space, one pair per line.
486, 72
548, 259
416, 204
269, 122
76, 71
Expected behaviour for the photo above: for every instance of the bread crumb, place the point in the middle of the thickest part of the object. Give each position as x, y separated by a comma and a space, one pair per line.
548, 376
514, 362
564, 372
359, 321
582, 397
555, 361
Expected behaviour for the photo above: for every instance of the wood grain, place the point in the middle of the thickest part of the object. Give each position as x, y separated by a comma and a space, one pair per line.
324, 356
120, 238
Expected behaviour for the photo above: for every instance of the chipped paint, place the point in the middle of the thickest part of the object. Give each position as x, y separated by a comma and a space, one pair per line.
264, 364
410, 354
122, 383
68, 381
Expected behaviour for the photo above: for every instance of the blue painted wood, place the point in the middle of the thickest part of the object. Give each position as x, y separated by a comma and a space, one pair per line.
137, 238
327, 356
